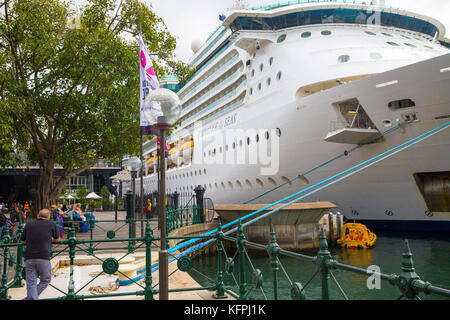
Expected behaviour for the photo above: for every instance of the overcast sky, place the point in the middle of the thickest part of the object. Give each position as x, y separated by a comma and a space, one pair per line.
189, 20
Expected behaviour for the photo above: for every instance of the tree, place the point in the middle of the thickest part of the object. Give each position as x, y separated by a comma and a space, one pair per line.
105, 195
69, 84
81, 194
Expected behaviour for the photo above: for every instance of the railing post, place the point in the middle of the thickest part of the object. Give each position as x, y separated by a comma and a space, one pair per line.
408, 276
240, 240
4, 286
323, 259
91, 227
72, 244
129, 219
148, 291
18, 283
273, 250
220, 288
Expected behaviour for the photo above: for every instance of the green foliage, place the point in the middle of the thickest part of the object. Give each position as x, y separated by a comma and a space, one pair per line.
81, 194
105, 195
69, 87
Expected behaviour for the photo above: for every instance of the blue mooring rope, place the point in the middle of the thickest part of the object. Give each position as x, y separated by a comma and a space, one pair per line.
342, 175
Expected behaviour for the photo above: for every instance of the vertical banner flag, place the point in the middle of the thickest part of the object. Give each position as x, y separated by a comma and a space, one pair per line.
148, 82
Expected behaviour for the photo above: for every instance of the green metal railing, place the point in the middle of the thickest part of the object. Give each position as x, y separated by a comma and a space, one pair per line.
410, 285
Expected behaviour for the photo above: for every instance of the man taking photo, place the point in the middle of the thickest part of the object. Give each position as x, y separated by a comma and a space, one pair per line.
38, 236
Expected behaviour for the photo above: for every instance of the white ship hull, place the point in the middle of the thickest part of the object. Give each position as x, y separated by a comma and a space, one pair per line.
265, 81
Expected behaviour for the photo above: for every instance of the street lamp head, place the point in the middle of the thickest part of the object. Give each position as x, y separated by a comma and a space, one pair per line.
134, 164
162, 106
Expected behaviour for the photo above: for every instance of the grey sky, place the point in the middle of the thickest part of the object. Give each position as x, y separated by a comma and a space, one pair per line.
188, 20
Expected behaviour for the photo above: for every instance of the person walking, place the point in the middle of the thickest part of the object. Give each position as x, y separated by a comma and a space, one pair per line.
38, 236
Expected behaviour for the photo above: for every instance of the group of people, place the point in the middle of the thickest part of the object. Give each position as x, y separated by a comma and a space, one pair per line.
11, 215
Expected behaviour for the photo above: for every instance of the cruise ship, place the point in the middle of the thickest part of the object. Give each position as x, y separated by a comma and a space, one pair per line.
290, 94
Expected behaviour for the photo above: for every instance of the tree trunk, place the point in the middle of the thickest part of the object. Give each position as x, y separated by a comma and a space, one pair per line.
44, 190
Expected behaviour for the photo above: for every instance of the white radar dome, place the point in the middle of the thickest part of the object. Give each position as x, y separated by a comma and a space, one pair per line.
196, 45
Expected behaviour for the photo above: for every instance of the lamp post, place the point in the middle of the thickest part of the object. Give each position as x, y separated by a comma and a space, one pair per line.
162, 109
134, 164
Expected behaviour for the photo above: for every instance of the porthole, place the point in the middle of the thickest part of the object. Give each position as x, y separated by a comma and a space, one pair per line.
216, 186
259, 86
248, 183
261, 67
259, 182
281, 38
230, 184
253, 72
410, 45
278, 132
371, 33
386, 34
270, 61
344, 58
429, 47
405, 36
240, 143
239, 184
251, 91
220, 149
248, 140
268, 81
375, 55
279, 75
223, 185
267, 135
226, 148
272, 182
204, 171
286, 181
199, 172
387, 123
195, 173
326, 33
257, 138
234, 145
306, 34
214, 152
393, 43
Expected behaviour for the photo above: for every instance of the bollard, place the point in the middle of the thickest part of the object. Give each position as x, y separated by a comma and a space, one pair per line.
72, 242
220, 288
199, 193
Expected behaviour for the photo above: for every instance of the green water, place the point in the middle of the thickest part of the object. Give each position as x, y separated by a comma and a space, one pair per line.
431, 257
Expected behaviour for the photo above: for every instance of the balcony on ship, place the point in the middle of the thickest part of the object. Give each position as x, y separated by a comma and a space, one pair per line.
354, 125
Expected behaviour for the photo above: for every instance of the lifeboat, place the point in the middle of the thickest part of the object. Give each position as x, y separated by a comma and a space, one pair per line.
356, 236
187, 150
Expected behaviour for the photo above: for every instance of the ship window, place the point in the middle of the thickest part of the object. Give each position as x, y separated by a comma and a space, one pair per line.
268, 81
286, 181
259, 86
326, 33
281, 38
392, 43
279, 75
401, 104
344, 58
251, 91
261, 67
267, 135
234, 145
429, 47
376, 55
257, 138
386, 34
240, 143
230, 184
270, 61
306, 34
410, 45
253, 72
273, 182
239, 183
248, 140
204, 171
247, 182
405, 36
259, 182
279, 132
371, 33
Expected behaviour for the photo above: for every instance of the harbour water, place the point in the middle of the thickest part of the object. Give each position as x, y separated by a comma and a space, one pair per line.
431, 255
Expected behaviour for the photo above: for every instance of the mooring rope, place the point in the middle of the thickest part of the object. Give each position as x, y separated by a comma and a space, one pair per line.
345, 153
